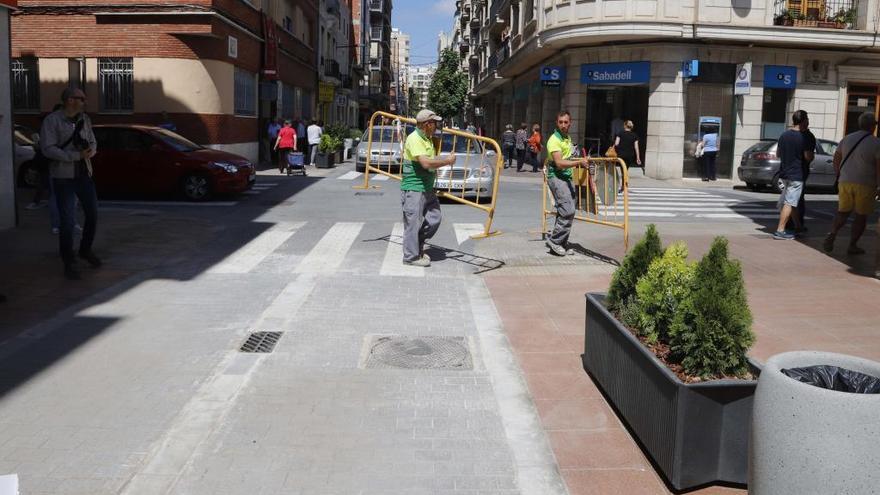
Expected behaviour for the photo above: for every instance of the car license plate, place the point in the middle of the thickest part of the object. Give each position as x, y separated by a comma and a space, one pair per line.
455, 184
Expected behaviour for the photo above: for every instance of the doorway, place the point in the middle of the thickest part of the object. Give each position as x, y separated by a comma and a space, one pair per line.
702, 102
608, 107
860, 99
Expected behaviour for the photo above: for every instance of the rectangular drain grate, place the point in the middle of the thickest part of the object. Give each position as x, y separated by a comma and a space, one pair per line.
260, 342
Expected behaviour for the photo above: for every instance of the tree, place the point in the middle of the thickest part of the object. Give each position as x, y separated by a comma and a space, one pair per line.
414, 100
634, 266
448, 89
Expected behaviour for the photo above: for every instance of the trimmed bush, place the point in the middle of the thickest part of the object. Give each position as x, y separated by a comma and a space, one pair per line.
634, 266
712, 333
662, 293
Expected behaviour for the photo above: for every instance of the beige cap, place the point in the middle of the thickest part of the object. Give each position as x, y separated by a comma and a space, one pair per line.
426, 115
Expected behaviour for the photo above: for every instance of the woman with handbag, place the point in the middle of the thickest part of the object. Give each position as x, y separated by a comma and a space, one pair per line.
534, 147
626, 145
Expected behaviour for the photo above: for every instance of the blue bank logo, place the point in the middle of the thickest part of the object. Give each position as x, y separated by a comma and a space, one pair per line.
617, 73
780, 76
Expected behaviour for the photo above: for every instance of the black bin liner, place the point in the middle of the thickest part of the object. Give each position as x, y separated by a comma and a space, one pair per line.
834, 378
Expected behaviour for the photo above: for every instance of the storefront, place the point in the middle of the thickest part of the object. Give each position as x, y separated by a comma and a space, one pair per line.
709, 106
615, 93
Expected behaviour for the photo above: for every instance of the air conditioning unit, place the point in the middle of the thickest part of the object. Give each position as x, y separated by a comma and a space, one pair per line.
816, 71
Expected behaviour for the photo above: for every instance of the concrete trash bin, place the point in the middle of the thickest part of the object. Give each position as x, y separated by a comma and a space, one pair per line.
810, 440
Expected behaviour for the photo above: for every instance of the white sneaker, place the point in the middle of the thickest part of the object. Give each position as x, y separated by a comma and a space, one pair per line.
33, 206
556, 248
423, 262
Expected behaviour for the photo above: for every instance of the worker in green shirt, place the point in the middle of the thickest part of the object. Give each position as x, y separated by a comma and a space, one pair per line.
559, 175
421, 210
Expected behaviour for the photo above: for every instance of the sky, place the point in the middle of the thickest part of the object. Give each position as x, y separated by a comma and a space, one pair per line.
423, 20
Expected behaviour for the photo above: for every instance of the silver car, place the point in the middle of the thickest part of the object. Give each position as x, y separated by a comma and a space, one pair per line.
473, 171
759, 164
386, 150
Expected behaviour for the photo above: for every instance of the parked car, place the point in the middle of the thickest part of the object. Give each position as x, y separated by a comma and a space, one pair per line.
26, 174
386, 148
151, 161
472, 172
759, 164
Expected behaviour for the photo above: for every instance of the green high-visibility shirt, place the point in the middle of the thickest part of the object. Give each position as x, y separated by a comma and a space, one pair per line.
563, 146
415, 177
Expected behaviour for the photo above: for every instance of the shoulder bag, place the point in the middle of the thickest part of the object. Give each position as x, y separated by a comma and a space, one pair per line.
839, 169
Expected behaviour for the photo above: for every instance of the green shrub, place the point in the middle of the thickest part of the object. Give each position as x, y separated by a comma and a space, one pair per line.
634, 266
713, 331
337, 131
662, 292
329, 143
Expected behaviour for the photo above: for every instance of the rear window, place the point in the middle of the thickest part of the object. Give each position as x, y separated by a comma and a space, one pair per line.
827, 147
761, 146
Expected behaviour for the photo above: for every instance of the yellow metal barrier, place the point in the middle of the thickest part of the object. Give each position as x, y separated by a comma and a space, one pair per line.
601, 198
475, 174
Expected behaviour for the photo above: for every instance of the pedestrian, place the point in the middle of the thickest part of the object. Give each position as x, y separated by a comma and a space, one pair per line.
801, 211
508, 145
301, 133
421, 209
559, 176
793, 149
470, 128
534, 147
314, 134
710, 153
67, 140
627, 145
522, 137
167, 123
285, 144
857, 164
272, 133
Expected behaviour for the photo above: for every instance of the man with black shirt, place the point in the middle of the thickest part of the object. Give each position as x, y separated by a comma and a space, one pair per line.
794, 149
67, 140
810, 143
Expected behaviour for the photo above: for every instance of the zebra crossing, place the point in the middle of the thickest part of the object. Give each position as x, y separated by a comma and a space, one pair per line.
656, 202
327, 253
354, 175
256, 190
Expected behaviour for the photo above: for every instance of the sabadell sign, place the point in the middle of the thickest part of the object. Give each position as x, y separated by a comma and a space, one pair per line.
616, 73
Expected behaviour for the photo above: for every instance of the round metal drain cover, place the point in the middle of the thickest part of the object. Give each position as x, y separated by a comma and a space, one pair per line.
420, 353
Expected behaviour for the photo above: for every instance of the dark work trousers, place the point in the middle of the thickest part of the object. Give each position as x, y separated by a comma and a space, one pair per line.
509, 155
563, 194
421, 219
520, 159
709, 165
66, 193
532, 159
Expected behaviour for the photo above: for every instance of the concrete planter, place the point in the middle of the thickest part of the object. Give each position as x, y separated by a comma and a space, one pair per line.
810, 440
695, 433
324, 160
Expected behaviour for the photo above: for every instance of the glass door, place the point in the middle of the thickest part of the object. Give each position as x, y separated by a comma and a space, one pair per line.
708, 100
860, 99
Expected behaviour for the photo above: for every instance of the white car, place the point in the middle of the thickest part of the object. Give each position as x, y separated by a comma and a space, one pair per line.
26, 174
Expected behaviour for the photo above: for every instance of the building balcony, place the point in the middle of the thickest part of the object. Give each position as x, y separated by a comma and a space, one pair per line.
331, 69
827, 14
464, 47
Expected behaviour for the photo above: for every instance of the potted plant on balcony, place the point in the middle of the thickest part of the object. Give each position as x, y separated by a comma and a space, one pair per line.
327, 148
845, 18
784, 18
668, 347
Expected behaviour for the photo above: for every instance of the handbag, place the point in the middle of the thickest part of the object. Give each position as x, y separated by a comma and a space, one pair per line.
698, 153
840, 168
611, 152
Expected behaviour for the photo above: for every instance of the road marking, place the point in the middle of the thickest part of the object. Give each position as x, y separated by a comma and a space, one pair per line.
252, 193
350, 175
253, 253
393, 265
379, 177
702, 210
659, 203
329, 253
464, 231
168, 203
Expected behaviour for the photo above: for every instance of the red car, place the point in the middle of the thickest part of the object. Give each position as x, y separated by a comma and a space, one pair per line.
140, 160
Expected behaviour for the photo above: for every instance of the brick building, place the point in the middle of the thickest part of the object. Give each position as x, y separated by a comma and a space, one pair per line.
219, 68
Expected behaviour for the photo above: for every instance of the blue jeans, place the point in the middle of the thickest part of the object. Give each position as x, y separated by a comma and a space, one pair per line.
509, 155
66, 193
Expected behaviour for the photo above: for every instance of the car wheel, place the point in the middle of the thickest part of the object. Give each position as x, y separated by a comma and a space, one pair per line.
196, 187
29, 176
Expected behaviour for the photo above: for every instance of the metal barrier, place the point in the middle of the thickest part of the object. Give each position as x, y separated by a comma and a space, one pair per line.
601, 199
473, 178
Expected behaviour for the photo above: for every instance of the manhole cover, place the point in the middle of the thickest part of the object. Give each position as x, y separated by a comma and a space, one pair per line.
369, 193
260, 342
419, 353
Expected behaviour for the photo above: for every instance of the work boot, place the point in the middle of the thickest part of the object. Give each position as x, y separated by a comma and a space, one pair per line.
91, 259
828, 243
853, 249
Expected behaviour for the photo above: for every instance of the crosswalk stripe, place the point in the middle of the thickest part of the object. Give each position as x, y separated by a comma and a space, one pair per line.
704, 210
168, 203
464, 231
350, 175
658, 203
329, 253
393, 265
252, 193
379, 177
737, 215
251, 254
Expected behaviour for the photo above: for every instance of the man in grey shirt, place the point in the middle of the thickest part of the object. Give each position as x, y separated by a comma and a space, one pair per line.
67, 141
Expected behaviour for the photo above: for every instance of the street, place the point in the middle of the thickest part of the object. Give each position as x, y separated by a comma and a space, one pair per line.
132, 382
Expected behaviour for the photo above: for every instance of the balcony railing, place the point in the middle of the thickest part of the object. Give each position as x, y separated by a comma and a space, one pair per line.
376, 5
331, 68
493, 62
376, 33
833, 14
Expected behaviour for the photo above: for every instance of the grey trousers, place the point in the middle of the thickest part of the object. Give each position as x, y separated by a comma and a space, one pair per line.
563, 193
313, 150
421, 219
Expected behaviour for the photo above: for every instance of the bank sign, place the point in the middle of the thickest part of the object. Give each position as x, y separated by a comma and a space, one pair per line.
780, 76
616, 73
552, 76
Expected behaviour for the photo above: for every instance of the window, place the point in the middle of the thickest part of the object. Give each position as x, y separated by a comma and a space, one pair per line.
245, 93
288, 102
25, 84
116, 84
288, 24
